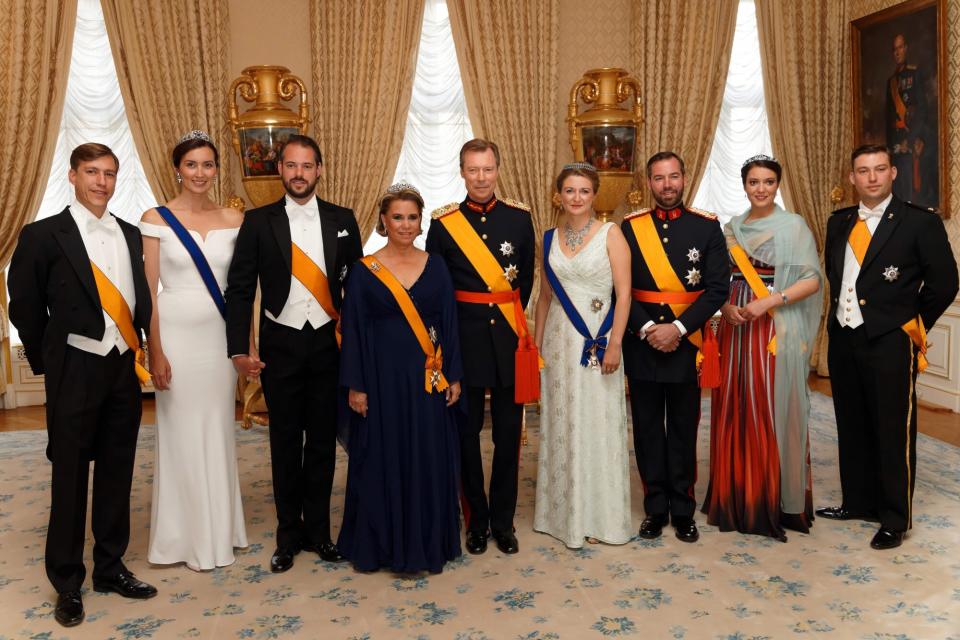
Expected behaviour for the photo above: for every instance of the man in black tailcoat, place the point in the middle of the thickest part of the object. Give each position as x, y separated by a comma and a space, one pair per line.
88, 359
892, 274
298, 359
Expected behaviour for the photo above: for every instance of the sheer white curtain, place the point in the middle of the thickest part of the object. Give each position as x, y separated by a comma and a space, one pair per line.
93, 111
742, 130
437, 125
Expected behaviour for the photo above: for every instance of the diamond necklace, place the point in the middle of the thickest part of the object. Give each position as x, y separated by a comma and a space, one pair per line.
575, 238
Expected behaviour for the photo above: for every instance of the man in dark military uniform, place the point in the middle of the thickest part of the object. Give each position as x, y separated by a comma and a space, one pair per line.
488, 342
892, 274
908, 134
659, 347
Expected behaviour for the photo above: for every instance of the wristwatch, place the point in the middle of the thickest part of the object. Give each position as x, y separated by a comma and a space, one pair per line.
783, 297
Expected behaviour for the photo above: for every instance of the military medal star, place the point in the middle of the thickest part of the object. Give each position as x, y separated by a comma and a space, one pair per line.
693, 255
891, 273
506, 248
693, 277
433, 334
511, 272
343, 273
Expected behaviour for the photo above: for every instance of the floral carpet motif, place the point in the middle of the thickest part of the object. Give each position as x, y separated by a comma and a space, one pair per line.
828, 584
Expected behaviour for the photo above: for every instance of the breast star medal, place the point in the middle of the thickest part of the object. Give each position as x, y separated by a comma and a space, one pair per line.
506, 248
891, 273
374, 266
693, 255
510, 273
693, 277
432, 332
343, 273
596, 305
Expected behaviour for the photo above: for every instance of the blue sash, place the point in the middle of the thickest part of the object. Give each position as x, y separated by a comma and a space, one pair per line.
590, 343
206, 273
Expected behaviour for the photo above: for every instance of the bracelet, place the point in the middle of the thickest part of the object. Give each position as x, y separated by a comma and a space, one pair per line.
783, 297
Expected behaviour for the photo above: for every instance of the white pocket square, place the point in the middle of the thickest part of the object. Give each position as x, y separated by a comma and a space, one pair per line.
343, 233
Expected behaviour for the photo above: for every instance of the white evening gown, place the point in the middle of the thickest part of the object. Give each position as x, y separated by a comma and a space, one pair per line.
583, 474
197, 514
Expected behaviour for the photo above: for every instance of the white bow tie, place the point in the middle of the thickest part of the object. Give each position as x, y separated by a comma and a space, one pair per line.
298, 210
103, 223
869, 213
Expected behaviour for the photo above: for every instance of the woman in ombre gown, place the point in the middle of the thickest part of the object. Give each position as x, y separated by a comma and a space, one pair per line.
760, 479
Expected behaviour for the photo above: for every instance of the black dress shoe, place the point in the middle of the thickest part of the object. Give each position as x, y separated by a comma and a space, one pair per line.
686, 529
652, 526
506, 542
126, 584
887, 539
327, 551
282, 559
69, 611
835, 513
476, 542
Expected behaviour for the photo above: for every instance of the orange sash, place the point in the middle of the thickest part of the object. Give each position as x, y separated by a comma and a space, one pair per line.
433, 368
859, 240
667, 281
756, 284
312, 277
116, 307
898, 104
527, 361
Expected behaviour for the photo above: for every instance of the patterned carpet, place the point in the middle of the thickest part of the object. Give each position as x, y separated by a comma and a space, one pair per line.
729, 586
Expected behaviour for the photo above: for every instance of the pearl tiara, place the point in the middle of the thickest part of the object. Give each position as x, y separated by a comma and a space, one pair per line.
399, 187
582, 166
196, 134
758, 158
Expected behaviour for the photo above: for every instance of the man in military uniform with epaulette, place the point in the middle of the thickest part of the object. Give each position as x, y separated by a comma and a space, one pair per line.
892, 274
680, 278
489, 246
907, 121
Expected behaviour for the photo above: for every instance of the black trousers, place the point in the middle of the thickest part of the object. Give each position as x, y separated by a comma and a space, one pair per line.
507, 417
300, 386
875, 400
665, 418
95, 416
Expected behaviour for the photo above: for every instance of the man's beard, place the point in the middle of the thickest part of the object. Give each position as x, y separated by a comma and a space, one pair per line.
677, 199
300, 194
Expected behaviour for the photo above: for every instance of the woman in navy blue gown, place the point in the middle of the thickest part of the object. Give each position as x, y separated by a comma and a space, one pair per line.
401, 364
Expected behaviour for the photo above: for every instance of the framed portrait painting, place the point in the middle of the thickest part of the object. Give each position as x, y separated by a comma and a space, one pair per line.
899, 95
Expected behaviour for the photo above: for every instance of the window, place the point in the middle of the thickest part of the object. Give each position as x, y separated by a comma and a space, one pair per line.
742, 129
437, 124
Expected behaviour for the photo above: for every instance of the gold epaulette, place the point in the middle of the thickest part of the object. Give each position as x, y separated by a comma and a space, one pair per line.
444, 210
637, 213
702, 213
516, 204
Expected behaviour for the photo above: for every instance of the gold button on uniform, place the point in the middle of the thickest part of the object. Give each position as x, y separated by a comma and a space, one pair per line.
661, 318
863, 301
666, 226
666, 239
492, 321
483, 218
484, 236
663, 304
489, 304
489, 288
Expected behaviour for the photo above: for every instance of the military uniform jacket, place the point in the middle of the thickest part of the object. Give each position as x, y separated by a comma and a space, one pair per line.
488, 344
909, 84
909, 268
697, 252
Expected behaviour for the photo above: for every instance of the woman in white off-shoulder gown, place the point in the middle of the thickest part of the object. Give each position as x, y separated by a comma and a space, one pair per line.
583, 474
197, 515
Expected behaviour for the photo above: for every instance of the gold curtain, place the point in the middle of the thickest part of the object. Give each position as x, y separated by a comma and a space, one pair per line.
172, 60
507, 52
804, 46
680, 54
364, 56
36, 43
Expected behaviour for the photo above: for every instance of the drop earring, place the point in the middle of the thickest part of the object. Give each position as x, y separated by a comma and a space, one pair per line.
179, 179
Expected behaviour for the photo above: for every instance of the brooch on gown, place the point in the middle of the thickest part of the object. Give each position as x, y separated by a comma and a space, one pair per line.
506, 248
596, 305
693, 277
511, 272
693, 255
891, 273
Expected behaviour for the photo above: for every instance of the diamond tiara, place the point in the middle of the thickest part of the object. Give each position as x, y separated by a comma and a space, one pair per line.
583, 166
196, 134
402, 186
759, 157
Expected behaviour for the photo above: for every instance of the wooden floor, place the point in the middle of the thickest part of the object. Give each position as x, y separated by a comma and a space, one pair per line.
939, 423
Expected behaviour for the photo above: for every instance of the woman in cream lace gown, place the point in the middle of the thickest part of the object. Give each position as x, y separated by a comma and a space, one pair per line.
583, 476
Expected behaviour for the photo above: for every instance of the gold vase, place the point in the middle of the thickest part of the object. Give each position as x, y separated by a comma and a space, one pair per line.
605, 135
260, 132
